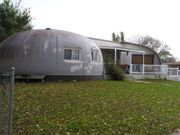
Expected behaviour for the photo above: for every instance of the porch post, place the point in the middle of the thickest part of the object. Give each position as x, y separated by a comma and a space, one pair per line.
130, 67
115, 56
177, 71
143, 64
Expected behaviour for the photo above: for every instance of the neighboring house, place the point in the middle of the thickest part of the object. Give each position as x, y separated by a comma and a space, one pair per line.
174, 69
174, 65
129, 56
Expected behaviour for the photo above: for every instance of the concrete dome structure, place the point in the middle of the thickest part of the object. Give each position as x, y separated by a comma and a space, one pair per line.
51, 53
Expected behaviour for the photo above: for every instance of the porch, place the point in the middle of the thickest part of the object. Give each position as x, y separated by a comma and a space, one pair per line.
154, 70
139, 65
143, 71
130, 61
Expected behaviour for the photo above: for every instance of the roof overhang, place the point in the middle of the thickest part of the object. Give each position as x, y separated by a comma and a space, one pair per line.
121, 49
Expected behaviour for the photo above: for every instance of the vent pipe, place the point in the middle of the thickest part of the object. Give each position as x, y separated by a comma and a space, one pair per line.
48, 28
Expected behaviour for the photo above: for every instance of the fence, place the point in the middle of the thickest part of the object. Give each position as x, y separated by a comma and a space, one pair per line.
148, 69
136, 68
6, 102
173, 72
154, 70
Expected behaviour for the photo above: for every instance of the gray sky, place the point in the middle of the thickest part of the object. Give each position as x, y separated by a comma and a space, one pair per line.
99, 18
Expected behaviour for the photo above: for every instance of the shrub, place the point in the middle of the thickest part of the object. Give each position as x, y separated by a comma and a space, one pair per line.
115, 72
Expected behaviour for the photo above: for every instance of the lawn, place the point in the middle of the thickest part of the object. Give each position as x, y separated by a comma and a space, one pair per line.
97, 107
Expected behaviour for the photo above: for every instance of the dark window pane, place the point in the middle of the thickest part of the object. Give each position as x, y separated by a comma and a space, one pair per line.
94, 55
67, 54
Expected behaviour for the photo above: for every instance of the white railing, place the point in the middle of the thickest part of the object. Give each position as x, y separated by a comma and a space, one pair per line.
154, 70
173, 72
136, 68
148, 69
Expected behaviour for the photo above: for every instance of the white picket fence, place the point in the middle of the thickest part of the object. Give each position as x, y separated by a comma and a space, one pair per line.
154, 70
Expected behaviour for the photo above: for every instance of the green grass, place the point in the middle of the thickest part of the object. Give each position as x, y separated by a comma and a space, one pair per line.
97, 107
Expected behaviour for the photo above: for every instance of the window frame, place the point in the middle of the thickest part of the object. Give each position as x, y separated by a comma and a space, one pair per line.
94, 55
74, 54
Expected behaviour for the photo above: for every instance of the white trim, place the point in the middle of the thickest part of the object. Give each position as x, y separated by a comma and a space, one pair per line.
155, 65
76, 74
72, 61
121, 49
95, 52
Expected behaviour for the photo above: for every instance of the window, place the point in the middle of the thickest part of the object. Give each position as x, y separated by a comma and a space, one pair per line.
94, 55
71, 54
67, 54
75, 54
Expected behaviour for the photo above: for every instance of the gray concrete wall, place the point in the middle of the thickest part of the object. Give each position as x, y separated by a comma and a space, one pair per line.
42, 52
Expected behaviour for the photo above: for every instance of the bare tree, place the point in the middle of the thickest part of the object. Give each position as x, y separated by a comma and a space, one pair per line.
155, 44
150, 42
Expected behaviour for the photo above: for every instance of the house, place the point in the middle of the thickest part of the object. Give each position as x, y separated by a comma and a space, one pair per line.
174, 69
65, 55
133, 58
52, 54
137, 61
174, 65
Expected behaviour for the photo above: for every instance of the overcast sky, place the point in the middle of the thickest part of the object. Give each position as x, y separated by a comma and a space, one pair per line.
99, 18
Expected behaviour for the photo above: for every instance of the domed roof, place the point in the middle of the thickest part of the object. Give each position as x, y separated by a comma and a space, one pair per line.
35, 41
42, 52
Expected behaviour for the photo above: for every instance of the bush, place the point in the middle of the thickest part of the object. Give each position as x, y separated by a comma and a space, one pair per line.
115, 72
